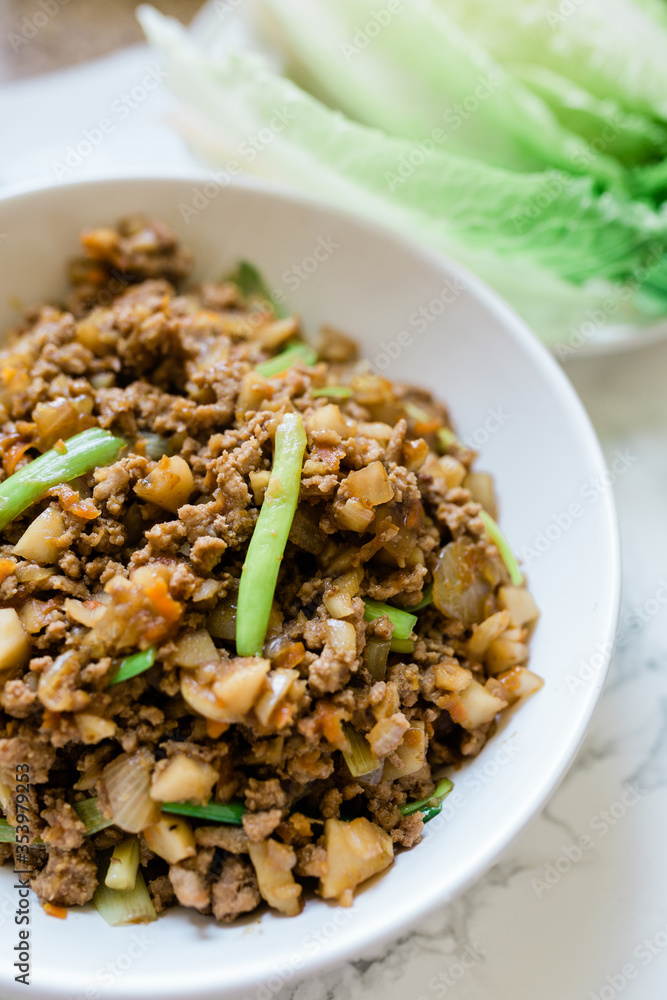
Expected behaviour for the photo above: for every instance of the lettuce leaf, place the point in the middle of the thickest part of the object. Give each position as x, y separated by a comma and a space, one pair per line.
614, 49
412, 71
629, 136
527, 233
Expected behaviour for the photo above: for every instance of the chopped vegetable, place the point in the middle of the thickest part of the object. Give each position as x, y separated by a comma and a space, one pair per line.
216, 812
341, 391
427, 598
267, 545
402, 645
281, 362
14, 641
124, 865
171, 838
496, 535
432, 805
80, 454
360, 759
403, 621
183, 778
460, 589
7, 832
133, 906
355, 852
273, 863
89, 812
127, 782
376, 652
39, 541
169, 485
133, 665
250, 282
409, 756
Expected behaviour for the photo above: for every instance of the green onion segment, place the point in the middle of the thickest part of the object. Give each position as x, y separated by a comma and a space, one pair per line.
496, 535
83, 453
121, 907
133, 665
403, 621
281, 362
250, 282
216, 812
267, 545
431, 806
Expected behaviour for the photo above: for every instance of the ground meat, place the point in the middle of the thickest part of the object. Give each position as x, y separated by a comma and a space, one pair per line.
229, 838
264, 795
149, 550
38, 755
235, 891
64, 829
162, 893
260, 825
69, 878
190, 887
311, 861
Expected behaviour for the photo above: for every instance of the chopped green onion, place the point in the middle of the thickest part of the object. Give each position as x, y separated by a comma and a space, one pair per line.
250, 282
402, 621
155, 445
431, 806
267, 545
281, 362
89, 812
133, 665
376, 651
427, 598
132, 906
217, 812
7, 832
83, 453
342, 391
402, 645
360, 759
446, 438
417, 413
496, 535
124, 866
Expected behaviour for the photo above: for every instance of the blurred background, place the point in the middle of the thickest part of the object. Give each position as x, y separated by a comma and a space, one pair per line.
84, 29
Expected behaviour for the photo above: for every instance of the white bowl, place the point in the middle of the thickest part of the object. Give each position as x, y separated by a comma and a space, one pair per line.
507, 396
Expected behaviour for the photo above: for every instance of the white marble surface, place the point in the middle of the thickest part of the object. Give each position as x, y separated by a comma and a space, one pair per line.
597, 928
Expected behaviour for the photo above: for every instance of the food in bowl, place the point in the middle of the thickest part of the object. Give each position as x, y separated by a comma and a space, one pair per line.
254, 597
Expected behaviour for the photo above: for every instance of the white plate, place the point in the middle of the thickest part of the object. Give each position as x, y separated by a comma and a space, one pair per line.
509, 397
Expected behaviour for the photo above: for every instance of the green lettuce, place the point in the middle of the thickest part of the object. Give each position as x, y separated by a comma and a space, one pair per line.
409, 69
548, 239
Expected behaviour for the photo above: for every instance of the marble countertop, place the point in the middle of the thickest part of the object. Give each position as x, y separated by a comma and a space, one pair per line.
576, 909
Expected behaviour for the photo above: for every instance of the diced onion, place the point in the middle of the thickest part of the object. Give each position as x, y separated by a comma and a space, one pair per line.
411, 754
14, 642
39, 541
127, 781
370, 484
483, 491
460, 591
